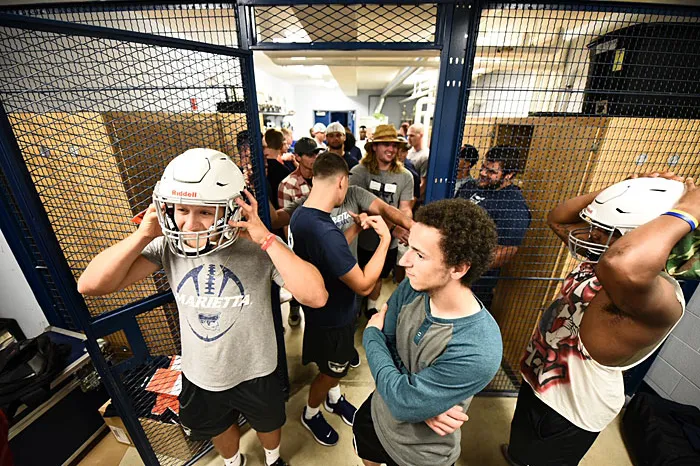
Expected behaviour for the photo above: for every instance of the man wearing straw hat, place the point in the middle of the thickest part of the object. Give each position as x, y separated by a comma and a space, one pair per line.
381, 173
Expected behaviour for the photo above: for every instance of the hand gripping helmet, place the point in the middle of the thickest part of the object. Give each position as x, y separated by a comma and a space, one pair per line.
622, 207
199, 177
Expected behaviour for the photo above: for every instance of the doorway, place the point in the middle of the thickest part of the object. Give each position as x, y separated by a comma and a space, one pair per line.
344, 117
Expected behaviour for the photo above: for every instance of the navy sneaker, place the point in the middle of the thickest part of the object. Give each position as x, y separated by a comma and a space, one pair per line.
294, 318
279, 462
355, 361
342, 408
320, 429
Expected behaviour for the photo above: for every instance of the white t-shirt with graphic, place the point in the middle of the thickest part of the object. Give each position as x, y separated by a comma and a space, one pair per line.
225, 309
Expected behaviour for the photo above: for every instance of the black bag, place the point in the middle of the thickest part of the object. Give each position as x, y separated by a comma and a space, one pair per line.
231, 106
26, 371
661, 432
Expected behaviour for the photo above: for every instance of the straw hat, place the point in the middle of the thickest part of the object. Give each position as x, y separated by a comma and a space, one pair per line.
383, 133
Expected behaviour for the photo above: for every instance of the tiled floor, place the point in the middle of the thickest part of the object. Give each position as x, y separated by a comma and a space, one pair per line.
486, 430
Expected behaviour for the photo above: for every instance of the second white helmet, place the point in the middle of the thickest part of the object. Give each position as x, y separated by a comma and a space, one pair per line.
623, 207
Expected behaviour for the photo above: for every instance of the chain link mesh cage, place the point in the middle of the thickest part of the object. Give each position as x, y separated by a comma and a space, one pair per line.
390, 23
96, 121
209, 23
581, 98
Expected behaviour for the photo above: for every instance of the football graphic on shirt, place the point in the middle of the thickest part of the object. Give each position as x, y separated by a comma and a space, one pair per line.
211, 299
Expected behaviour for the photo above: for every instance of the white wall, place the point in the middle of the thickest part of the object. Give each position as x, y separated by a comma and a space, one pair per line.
393, 108
281, 91
675, 373
516, 95
506, 95
307, 99
16, 298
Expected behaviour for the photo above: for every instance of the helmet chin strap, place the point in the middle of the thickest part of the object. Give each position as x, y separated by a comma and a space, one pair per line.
592, 256
194, 251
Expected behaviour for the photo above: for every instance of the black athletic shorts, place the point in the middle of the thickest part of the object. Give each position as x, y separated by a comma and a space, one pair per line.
539, 436
205, 414
363, 257
364, 437
331, 349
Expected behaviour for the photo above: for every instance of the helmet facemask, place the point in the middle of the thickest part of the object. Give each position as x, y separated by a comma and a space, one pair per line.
588, 250
198, 243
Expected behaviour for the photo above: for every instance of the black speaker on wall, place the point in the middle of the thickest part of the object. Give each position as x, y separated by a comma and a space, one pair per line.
645, 70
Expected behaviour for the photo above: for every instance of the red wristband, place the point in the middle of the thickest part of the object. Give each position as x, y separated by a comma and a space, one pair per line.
267, 242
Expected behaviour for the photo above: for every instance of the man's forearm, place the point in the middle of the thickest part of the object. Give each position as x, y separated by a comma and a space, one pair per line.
392, 214
642, 253
407, 401
373, 269
568, 211
301, 278
110, 267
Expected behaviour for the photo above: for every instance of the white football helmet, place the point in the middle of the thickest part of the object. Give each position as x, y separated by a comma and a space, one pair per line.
199, 177
622, 207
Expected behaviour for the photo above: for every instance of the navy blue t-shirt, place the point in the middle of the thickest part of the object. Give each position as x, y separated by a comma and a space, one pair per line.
352, 156
510, 213
507, 208
317, 240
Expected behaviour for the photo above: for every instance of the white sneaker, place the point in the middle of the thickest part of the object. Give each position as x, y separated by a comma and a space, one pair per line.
285, 296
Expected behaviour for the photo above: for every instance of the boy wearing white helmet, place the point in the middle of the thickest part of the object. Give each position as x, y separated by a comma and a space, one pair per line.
222, 290
613, 311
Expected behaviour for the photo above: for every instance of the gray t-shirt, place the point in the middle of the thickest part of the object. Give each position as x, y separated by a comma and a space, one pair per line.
356, 200
420, 160
390, 187
226, 325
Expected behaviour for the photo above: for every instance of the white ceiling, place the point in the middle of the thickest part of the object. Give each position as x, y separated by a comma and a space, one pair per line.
350, 71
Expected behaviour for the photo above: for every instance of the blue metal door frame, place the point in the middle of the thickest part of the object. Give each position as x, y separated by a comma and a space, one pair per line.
28, 200
456, 61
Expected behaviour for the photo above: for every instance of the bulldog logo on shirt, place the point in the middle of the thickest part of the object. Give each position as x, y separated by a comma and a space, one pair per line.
476, 198
337, 367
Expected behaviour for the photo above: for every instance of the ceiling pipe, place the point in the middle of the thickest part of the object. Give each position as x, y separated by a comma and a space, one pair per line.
400, 77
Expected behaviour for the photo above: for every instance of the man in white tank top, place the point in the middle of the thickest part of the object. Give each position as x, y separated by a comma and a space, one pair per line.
613, 311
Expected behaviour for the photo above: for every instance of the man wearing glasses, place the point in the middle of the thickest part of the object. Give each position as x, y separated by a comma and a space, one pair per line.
495, 192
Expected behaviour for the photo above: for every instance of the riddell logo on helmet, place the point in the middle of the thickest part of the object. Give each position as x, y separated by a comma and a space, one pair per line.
184, 193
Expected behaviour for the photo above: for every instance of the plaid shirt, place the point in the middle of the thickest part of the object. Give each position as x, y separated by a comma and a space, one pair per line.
293, 188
